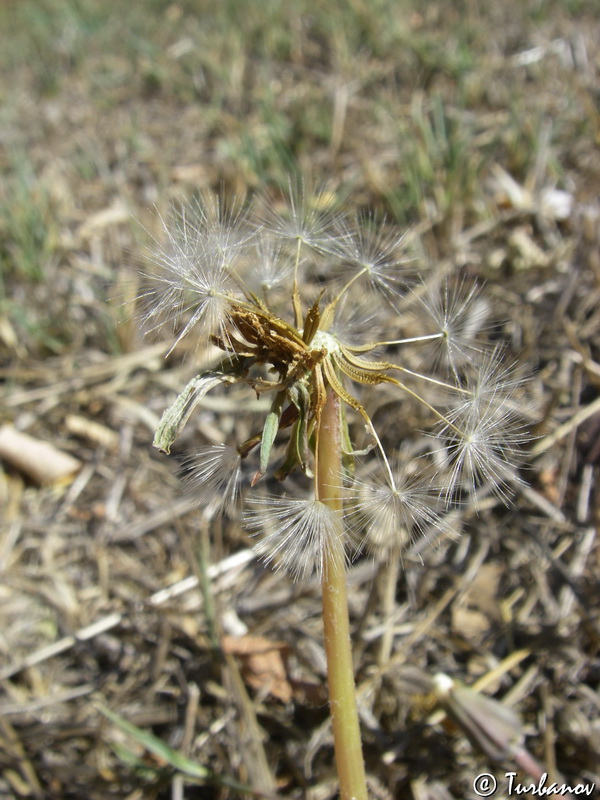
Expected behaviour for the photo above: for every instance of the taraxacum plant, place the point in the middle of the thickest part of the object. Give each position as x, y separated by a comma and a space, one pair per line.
292, 298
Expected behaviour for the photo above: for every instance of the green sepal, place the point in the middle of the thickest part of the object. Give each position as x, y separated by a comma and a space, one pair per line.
300, 397
348, 460
269, 433
293, 456
297, 450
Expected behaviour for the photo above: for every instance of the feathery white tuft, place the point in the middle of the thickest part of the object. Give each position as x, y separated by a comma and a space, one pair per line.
392, 516
214, 477
483, 445
308, 218
459, 314
271, 267
356, 321
298, 534
194, 283
377, 254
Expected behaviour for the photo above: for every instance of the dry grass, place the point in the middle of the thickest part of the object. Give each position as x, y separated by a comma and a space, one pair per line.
459, 119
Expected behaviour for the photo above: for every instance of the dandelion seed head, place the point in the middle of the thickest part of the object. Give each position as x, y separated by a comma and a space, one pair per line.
295, 299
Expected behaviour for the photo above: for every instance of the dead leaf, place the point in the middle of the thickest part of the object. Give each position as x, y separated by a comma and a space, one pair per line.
470, 624
263, 664
482, 594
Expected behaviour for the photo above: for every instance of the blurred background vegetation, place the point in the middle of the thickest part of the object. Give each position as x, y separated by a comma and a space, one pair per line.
405, 107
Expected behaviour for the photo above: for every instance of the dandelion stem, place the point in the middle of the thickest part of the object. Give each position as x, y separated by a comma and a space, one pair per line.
342, 691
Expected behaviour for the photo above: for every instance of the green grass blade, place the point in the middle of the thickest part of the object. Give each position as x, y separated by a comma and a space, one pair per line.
179, 762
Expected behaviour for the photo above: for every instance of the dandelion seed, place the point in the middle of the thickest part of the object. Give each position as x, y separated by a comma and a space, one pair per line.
484, 447
193, 285
376, 255
355, 322
491, 380
214, 477
271, 268
459, 315
298, 534
393, 515
224, 228
485, 434
307, 219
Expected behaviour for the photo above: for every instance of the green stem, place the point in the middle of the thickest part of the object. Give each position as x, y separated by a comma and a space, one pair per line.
340, 672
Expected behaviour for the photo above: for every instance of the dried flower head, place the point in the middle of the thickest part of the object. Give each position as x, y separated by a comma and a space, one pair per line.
280, 292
